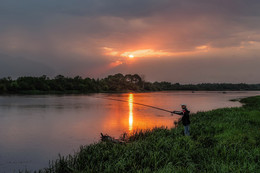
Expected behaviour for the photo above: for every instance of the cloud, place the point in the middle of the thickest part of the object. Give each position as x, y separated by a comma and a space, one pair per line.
69, 36
235, 68
18, 66
177, 25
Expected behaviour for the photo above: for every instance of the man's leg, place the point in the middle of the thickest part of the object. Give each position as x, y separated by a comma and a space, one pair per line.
188, 127
187, 130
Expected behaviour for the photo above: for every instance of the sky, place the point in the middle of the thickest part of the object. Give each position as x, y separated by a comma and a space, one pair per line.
185, 41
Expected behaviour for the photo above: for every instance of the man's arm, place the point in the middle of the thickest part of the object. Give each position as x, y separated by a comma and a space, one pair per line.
177, 112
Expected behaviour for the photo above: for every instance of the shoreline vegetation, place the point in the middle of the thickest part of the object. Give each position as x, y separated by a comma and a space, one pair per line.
222, 140
117, 83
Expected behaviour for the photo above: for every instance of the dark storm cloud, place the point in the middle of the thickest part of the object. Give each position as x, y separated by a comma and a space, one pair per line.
132, 8
67, 36
146, 8
18, 66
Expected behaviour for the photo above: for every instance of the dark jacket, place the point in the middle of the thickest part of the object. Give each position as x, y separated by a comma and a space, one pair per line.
185, 116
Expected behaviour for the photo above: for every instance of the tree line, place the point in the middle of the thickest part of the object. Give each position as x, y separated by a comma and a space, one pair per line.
112, 83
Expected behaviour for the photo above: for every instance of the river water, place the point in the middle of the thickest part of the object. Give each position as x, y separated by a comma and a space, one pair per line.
35, 129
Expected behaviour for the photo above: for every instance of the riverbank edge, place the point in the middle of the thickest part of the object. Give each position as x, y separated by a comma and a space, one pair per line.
38, 92
58, 93
222, 140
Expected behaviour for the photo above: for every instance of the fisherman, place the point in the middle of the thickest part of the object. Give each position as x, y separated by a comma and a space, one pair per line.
185, 113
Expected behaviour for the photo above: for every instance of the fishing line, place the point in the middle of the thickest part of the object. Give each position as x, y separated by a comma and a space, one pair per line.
154, 107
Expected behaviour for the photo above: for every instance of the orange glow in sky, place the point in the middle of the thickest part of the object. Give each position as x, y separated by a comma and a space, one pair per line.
110, 51
136, 53
145, 53
131, 56
142, 53
114, 64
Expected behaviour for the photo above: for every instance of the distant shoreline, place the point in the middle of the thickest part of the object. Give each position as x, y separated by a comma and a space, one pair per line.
37, 92
117, 83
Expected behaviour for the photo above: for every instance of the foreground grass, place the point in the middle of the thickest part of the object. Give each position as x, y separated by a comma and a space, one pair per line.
223, 140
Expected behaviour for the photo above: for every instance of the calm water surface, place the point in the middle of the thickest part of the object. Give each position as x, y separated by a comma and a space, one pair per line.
35, 129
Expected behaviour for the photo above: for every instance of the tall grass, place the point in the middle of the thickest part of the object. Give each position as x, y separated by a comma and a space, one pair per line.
222, 140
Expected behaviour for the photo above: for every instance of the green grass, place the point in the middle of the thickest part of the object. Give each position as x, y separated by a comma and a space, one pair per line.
222, 140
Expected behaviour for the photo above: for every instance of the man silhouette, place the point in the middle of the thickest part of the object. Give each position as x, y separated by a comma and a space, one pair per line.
185, 113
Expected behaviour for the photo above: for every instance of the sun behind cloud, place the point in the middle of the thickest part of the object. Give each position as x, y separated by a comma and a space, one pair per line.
144, 53
131, 56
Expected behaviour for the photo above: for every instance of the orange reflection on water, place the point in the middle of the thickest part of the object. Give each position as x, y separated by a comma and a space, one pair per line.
127, 116
130, 103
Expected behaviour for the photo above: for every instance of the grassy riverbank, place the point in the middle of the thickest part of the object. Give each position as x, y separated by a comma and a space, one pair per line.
222, 140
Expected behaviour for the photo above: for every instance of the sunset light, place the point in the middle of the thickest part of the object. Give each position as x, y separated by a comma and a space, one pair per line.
145, 53
116, 63
113, 76
130, 103
152, 53
131, 56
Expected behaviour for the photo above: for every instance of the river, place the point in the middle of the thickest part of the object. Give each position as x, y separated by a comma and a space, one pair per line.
35, 129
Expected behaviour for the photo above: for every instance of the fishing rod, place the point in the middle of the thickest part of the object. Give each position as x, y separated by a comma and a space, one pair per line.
154, 107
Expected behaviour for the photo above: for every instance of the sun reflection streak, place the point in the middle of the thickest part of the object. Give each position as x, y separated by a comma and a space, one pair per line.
130, 103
